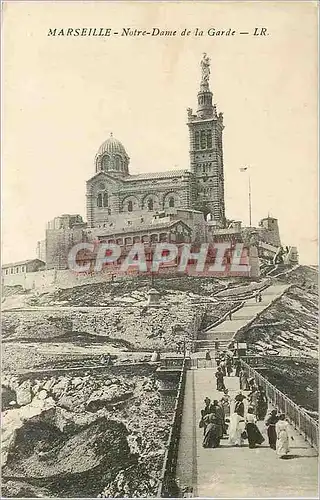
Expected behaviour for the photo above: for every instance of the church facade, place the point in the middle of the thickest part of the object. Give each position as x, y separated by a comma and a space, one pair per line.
113, 193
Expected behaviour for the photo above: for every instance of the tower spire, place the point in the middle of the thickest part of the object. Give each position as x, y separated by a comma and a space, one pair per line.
206, 150
205, 108
205, 72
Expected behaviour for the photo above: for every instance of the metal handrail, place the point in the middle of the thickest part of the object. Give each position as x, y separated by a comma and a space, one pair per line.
298, 417
224, 316
174, 362
167, 485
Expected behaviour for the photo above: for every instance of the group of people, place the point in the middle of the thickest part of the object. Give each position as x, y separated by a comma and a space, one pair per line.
213, 423
226, 364
181, 347
236, 419
105, 359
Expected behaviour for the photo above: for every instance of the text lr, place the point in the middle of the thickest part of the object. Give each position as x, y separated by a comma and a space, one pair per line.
260, 32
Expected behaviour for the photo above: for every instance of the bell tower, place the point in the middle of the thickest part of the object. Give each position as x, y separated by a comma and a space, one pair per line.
206, 152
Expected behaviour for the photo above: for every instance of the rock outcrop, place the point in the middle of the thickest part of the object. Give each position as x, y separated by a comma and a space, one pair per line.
80, 433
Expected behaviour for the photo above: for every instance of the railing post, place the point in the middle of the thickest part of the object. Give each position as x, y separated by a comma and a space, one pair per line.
285, 407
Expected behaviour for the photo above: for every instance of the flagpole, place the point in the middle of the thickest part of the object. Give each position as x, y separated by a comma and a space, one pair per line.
250, 213
247, 169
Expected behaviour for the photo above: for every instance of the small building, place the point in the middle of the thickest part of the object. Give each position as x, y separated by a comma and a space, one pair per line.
23, 266
65, 221
269, 231
153, 297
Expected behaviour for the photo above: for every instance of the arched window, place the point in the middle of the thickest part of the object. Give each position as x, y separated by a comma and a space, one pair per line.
154, 238
203, 139
99, 200
163, 237
130, 206
171, 201
105, 162
150, 204
118, 163
209, 139
102, 200
197, 140
105, 199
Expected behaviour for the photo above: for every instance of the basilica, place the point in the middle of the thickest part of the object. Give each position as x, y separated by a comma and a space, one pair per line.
176, 205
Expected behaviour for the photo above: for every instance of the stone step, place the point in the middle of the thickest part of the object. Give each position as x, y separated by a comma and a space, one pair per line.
203, 345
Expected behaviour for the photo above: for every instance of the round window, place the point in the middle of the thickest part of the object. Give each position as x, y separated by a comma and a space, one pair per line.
102, 185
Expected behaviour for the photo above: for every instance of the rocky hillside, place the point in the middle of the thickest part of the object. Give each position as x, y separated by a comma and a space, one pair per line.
298, 378
42, 329
75, 436
289, 327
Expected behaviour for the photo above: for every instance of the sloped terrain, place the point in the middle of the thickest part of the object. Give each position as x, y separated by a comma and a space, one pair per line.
288, 327
89, 319
134, 290
297, 378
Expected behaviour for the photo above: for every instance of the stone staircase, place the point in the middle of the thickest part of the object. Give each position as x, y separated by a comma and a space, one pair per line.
204, 345
224, 331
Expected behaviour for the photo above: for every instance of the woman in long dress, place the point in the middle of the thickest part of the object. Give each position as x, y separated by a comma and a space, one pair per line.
229, 366
239, 404
253, 399
208, 355
220, 380
243, 380
225, 402
213, 431
271, 428
236, 428
223, 367
254, 435
219, 412
283, 434
237, 422
262, 404
237, 365
208, 408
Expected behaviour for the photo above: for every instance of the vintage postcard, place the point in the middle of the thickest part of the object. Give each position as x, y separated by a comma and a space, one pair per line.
159, 249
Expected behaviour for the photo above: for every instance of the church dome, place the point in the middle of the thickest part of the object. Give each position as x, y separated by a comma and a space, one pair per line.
112, 157
112, 146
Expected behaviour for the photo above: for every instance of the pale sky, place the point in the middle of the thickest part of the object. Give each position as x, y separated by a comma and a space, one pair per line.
63, 96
